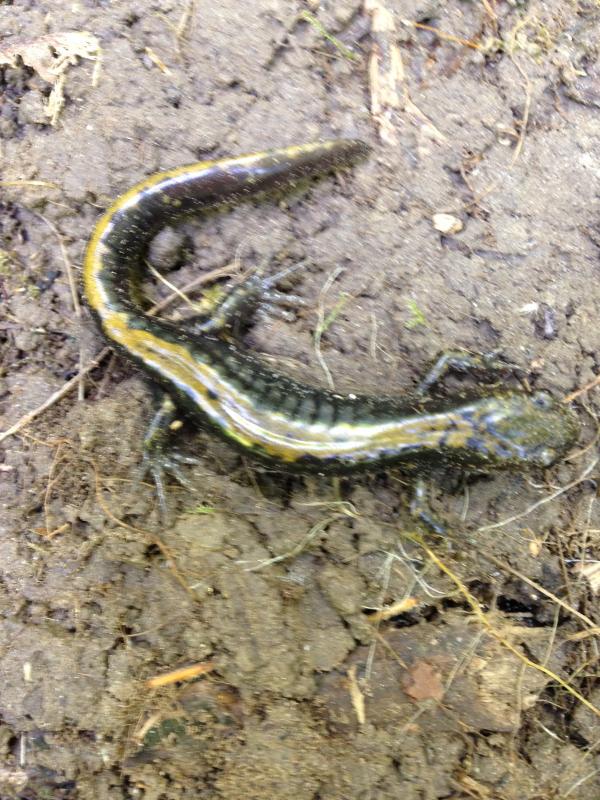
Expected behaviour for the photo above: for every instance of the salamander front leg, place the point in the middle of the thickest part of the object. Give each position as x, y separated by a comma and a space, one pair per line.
462, 361
241, 302
419, 508
157, 460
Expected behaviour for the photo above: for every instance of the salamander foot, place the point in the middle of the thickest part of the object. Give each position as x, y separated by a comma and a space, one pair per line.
157, 459
242, 301
419, 509
464, 362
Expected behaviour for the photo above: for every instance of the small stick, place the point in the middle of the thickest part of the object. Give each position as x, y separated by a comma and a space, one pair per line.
574, 395
483, 619
356, 696
31, 415
64, 390
401, 607
447, 36
181, 674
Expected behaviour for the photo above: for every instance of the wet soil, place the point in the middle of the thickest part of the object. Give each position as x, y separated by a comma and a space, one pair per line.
296, 690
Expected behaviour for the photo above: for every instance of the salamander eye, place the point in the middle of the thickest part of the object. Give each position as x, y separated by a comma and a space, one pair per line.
546, 456
543, 400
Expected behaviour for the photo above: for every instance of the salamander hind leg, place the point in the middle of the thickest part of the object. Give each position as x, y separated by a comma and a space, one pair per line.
158, 456
419, 509
464, 362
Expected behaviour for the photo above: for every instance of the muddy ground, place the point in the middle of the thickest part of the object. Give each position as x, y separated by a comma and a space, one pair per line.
299, 691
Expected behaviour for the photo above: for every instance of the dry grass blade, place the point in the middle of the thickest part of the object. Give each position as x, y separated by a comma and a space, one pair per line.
74, 295
584, 475
316, 530
580, 782
24, 182
475, 607
321, 326
488, 5
71, 384
584, 389
54, 398
565, 606
442, 35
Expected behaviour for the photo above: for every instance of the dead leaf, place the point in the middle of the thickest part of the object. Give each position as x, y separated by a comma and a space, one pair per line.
424, 682
50, 56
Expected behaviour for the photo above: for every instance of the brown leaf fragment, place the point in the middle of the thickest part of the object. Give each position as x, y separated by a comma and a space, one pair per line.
423, 682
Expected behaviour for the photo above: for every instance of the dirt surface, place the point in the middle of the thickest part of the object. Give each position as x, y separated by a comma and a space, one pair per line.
299, 692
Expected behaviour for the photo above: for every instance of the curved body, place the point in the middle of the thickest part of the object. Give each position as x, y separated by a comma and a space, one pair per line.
266, 414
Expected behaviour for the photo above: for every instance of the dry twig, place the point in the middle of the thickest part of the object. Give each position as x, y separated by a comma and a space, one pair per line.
181, 674
387, 79
483, 619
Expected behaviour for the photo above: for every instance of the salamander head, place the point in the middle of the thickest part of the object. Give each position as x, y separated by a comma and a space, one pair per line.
523, 430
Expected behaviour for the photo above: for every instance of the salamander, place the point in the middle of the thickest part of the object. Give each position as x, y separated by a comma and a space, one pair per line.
265, 414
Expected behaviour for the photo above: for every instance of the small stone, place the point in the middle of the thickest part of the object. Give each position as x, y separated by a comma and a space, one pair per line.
529, 308
447, 223
167, 249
